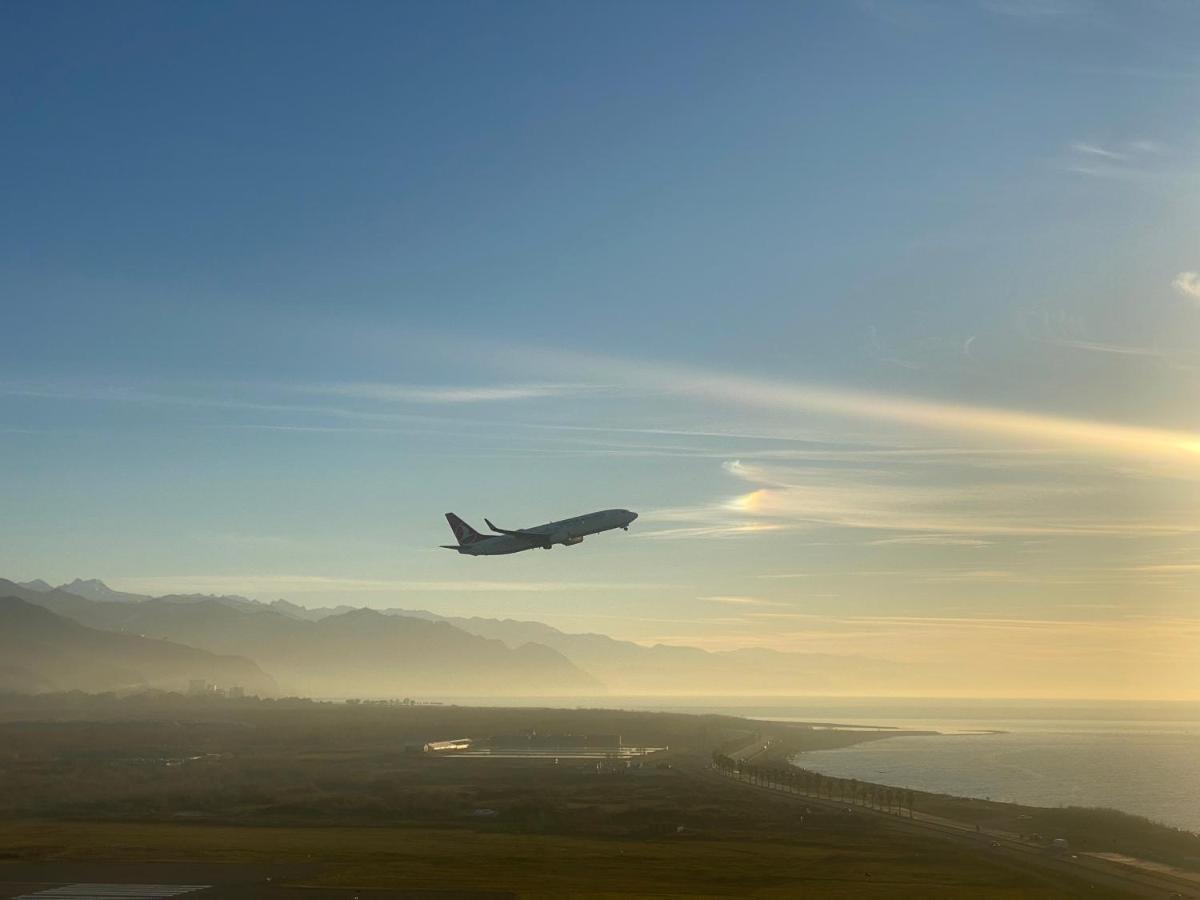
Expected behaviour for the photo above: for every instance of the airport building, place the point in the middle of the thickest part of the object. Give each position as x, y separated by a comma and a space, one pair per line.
448, 746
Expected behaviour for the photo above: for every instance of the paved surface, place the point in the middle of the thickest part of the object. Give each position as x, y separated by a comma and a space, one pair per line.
68, 880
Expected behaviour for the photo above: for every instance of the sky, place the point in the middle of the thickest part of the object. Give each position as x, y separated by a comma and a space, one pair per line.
884, 316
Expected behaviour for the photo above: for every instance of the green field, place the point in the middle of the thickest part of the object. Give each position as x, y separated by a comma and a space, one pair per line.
815, 861
345, 788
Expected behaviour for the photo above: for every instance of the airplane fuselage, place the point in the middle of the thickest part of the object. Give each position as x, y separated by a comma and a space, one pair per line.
565, 531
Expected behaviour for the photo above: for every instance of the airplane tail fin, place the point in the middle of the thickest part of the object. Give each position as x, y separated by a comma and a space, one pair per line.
463, 532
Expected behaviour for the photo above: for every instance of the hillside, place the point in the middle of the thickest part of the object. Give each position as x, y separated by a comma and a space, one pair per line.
359, 653
42, 651
626, 667
95, 589
400, 651
629, 668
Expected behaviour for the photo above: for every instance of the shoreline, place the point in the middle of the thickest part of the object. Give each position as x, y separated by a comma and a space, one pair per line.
887, 730
1155, 839
1145, 872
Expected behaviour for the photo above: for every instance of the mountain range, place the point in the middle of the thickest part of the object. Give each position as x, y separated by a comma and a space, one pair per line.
355, 653
344, 651
42, 651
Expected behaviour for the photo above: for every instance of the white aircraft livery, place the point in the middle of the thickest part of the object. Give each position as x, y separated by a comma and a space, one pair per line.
568, 532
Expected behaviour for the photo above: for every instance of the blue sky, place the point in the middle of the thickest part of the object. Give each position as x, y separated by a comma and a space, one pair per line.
883, 315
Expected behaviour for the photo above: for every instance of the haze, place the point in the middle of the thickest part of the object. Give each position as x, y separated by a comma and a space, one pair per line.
884, 318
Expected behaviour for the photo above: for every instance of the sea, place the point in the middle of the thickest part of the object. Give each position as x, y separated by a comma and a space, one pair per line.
1138, 757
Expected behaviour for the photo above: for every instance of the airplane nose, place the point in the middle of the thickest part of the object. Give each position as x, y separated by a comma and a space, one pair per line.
632, 516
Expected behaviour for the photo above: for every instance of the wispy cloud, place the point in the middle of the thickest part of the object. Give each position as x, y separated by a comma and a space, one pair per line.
1096, 150
975, 514
1102, 347
1088, 575
1168, 568
433, 394
277, 398
1138, 158
300, 584
1113, 625
1188, 284
1087, 438
1091, 438
894, 501
968, 575
934, 540
739, 600
213, 396
718, 529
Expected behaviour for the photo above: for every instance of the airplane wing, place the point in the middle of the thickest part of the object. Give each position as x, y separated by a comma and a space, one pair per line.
518, 532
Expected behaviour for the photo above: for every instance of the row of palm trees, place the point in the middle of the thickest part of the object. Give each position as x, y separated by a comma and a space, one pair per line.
794, 780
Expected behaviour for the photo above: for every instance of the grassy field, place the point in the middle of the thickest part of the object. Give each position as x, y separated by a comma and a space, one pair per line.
347, 788
812, 862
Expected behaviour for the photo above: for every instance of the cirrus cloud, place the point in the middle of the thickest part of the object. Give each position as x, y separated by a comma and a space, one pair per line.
1188, 284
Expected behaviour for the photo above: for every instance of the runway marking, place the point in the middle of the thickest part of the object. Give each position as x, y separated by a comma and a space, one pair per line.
84, 891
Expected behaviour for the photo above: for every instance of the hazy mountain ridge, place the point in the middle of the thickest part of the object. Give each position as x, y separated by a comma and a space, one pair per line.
296, 611
627, 667
317, 651
95, 589
359, 653
45, 651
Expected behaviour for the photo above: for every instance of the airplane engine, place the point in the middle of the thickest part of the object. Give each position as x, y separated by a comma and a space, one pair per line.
566, 538
572, 541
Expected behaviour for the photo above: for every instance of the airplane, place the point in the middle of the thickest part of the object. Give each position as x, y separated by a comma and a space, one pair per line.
567, 532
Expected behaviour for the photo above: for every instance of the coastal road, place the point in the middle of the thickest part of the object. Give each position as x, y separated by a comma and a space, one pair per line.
1097, 872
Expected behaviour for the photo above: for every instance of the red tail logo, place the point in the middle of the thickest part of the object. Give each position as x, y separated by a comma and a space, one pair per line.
463, 532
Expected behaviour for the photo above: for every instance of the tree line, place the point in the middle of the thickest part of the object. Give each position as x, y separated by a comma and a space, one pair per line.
794, 780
